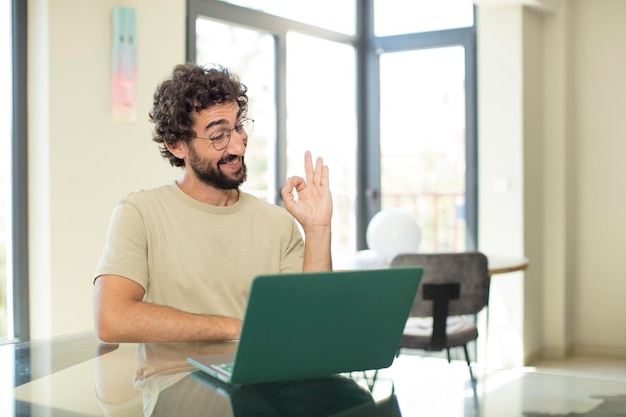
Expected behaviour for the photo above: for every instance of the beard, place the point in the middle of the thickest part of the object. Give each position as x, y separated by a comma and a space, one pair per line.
214, 176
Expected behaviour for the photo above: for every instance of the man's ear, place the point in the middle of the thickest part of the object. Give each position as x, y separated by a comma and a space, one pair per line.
179, 149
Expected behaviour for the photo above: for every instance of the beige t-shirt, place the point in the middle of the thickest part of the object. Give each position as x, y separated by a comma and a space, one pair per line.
196, 257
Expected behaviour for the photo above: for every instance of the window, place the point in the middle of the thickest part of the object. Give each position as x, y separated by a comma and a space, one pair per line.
395, 17
425, 135
390, 105
324, 124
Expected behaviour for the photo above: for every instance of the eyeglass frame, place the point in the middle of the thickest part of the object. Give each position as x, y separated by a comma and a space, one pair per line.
228, 133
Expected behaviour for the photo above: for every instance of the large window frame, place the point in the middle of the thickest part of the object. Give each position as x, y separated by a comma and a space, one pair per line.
368, 49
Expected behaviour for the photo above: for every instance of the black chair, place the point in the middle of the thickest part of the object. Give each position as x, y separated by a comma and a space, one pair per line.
454, 285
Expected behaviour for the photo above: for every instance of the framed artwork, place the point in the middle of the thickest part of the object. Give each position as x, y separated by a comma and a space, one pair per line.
124, 64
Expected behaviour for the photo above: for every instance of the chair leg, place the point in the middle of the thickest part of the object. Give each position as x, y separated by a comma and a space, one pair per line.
448, 353
372, 380
469, 366
472, 379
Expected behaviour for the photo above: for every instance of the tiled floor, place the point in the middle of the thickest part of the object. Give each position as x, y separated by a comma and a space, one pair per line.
586, 367
575, 387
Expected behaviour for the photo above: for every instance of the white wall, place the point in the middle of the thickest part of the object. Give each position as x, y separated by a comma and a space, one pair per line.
80, 162
500, 153
551, 102
556, 289
597, 166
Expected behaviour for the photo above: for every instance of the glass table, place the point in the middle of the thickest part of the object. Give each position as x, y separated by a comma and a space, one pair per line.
77, 375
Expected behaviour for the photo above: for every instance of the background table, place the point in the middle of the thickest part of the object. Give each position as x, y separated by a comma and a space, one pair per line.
367, 259
499, 264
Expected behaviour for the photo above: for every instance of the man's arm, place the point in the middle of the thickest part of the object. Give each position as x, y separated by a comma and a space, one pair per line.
122, 317
313, 209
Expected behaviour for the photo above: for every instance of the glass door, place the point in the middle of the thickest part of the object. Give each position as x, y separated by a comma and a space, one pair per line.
422, 142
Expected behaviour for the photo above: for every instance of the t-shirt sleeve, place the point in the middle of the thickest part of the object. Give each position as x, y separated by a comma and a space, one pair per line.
293, 255
125, 249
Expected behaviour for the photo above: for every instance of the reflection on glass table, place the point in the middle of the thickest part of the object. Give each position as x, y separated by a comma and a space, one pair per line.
78, 376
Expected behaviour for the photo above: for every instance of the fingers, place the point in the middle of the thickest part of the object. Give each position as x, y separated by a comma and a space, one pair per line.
292, 183
298, 183
317, 176
319, 168
324, 177
286, 191
308, 167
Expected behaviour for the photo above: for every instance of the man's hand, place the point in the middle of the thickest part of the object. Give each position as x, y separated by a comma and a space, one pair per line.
311, 203
310, 200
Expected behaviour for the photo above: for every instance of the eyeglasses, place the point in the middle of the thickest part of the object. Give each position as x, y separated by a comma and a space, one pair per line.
221, 139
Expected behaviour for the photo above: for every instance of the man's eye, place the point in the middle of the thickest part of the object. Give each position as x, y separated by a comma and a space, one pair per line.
219, 136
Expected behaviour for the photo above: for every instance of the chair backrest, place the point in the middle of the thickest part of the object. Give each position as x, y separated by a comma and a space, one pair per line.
468, 269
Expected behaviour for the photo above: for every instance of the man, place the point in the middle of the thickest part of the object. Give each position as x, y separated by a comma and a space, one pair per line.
179, 259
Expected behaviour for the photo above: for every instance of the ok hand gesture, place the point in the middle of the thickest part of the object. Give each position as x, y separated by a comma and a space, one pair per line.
310, 200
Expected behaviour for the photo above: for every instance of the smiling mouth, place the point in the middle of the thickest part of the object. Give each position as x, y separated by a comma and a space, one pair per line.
230, 160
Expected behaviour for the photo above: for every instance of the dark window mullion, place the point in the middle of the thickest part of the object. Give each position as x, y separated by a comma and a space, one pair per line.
258, 20
368, 106
281, 114
424, 40
19, 175
471, 141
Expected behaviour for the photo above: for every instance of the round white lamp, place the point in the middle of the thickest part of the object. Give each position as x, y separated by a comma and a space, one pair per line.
391, 232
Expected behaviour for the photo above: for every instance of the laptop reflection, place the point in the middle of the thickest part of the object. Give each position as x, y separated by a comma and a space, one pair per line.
331, 396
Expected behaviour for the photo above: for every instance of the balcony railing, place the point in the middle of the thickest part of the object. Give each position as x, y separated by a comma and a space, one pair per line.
440, 216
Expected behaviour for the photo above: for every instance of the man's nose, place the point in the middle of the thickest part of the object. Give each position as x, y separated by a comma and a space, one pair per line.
238, 142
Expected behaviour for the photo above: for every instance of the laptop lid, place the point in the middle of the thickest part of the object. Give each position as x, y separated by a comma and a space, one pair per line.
317, 324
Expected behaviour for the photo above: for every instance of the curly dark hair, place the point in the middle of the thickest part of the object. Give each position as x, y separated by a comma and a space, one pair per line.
190, 89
